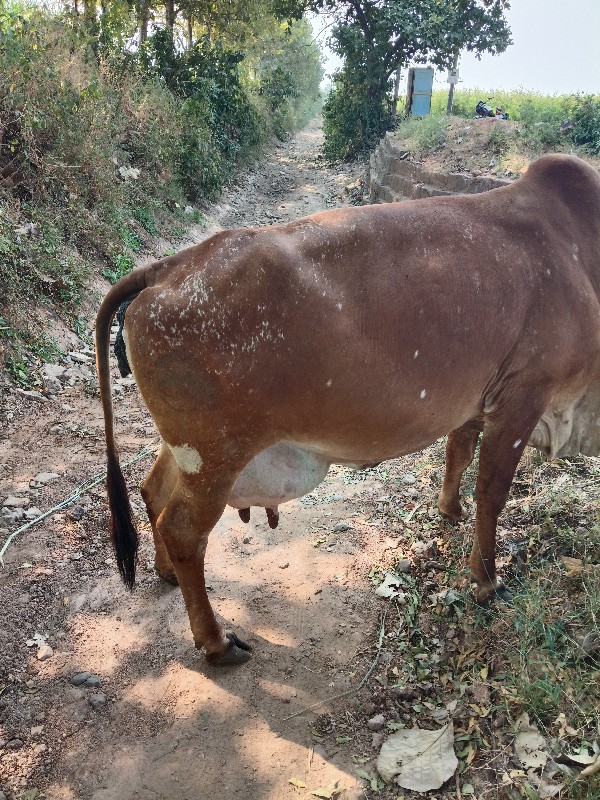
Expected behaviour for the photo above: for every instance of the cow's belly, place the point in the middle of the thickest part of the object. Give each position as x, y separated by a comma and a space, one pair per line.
287, 470
280, 473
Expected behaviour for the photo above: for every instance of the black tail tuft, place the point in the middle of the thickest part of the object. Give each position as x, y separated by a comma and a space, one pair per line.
123, 532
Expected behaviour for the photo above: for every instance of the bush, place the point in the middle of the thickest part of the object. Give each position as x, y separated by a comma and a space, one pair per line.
427, 133
353, 121
585, 117
541, 126
206, 78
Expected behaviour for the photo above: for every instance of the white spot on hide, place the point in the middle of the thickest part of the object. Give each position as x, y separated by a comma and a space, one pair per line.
188, 459
423, 394
329, 382
517, 443
416, 355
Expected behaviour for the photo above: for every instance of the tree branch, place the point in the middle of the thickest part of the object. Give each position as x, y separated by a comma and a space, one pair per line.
361, 17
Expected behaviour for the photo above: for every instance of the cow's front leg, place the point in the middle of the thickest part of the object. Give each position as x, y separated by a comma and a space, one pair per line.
460, 450
505, 435
193, 509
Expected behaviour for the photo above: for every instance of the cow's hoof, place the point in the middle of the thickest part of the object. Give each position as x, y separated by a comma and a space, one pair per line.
504, 594
238, 652
452, 513
486, 594
167, 576
272, 517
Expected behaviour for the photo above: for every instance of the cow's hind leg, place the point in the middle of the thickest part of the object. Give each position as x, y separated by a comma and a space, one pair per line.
460, 450
505, 434
156, 490
193, 509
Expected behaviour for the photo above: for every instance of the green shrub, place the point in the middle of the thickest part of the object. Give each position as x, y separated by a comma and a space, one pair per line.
219, 122
585, 117
540, 126
353, 121
499, 140
428, 133
122, 264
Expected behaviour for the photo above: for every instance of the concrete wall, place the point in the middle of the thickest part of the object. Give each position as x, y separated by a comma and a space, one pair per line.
393, 177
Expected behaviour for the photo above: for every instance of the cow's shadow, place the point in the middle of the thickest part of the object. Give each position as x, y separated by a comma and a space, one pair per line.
180, 724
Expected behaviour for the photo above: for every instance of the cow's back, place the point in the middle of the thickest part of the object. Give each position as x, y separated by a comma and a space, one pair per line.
411, 316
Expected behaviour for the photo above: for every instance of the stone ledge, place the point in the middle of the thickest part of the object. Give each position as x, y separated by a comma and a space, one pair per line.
394, 178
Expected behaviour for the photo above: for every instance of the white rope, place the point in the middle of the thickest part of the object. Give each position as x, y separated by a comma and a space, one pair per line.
79, 491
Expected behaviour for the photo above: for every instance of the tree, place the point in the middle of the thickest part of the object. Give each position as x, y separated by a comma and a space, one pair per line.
375, 37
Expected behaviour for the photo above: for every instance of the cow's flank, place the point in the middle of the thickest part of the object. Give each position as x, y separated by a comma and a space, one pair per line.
354, 336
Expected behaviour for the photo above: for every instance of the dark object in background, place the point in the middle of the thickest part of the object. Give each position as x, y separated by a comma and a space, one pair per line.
120, 351
482, 109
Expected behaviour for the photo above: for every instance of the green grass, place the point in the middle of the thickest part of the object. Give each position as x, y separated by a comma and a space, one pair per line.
518, 104
529, 657
427, 133
539, 116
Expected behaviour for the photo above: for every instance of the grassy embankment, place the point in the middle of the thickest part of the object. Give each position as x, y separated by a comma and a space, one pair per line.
538, 124
102, 149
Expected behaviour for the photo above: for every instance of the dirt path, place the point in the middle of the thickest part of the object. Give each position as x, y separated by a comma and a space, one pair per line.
161, 723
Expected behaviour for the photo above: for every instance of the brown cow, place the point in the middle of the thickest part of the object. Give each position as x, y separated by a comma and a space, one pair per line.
355, 336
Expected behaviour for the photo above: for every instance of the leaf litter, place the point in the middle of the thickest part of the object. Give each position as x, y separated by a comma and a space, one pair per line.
498, 675
418, 759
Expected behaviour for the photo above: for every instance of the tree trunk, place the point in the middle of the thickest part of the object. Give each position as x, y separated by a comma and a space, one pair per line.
90, 20
190, 32
451, 91
170, 14
144, 15
396, 93
89, 15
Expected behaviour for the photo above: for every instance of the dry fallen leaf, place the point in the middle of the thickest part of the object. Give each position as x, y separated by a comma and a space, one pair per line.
327, 794
592, 769
544, 788
390, 587
564, 729
529, 744
297, 783
418, 759
581, 758
574, 566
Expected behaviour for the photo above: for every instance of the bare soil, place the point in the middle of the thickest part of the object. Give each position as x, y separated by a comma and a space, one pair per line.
474, 146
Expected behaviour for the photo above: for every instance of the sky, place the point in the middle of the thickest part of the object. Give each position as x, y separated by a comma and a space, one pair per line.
555, 50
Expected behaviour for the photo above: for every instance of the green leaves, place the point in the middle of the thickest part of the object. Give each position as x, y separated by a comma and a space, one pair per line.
374, 39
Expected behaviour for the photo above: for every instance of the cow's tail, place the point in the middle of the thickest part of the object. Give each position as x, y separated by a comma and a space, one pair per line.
123, 533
